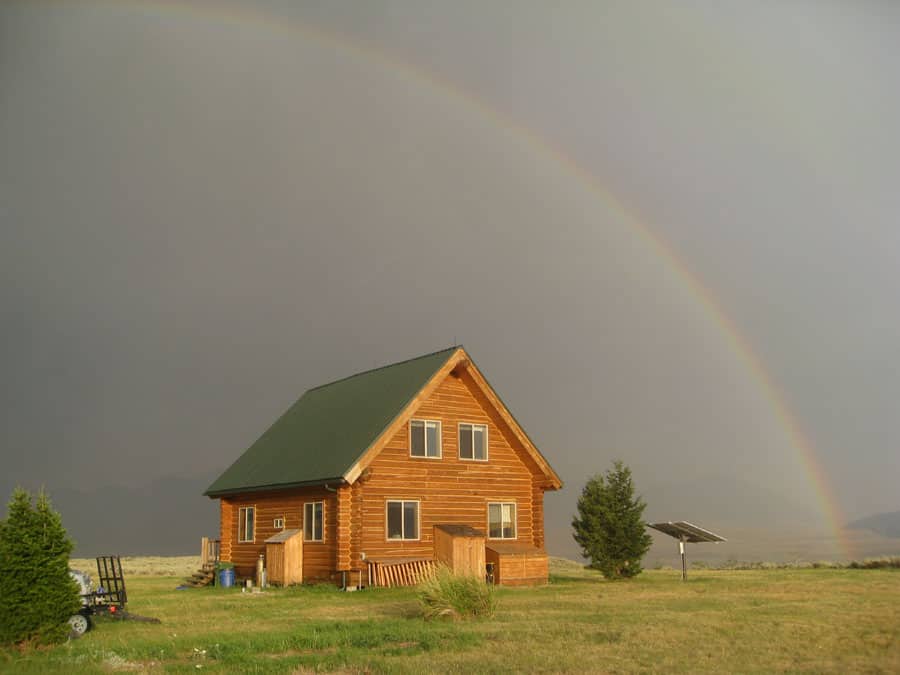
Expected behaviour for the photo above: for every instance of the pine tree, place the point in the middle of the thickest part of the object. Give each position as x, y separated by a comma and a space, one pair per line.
609, 526
37, 595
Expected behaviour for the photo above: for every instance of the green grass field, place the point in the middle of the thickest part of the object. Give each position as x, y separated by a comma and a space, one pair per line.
813, 620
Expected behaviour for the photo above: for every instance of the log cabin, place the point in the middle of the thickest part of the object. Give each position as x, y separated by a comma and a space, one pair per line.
370, 468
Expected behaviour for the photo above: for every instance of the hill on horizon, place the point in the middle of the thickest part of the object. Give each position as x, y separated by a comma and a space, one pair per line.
885, 524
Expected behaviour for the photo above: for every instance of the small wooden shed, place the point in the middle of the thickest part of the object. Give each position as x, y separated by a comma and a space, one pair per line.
284, 558
517, 564
461, 548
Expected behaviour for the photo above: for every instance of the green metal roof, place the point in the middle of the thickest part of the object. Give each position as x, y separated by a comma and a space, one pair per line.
329, 428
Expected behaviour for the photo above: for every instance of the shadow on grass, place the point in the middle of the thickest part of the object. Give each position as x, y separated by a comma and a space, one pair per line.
565, 579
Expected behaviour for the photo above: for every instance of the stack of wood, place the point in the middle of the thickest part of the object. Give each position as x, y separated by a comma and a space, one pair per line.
400, 571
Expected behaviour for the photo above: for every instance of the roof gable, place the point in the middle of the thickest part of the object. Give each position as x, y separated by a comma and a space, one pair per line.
461, 363
329, 427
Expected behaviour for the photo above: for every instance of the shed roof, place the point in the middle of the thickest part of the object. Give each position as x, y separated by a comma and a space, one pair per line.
460, 530
328, 429
282, 536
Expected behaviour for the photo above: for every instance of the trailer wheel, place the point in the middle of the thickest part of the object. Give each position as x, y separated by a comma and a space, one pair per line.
80, 624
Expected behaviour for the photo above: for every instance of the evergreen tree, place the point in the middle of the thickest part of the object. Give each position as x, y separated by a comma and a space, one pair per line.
609, 526
37, 595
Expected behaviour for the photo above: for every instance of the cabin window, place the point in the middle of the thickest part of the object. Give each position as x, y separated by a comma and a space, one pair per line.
402, 520
278, 523
246, 524
502, 520
312, 521
425, 438
473, 442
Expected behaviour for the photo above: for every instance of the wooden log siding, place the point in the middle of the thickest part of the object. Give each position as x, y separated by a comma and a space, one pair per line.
319, 559
449, 490
225, 531
344, 512
537, 516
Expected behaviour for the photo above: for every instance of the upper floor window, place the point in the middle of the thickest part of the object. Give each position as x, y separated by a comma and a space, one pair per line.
246, 525
313, 529
502, 520
425, 438
403, 520
473, 441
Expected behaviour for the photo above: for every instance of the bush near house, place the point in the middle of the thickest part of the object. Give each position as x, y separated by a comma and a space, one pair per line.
610, 526
37, 595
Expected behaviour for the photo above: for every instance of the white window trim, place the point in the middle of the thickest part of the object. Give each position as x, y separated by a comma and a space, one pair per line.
402, 522
440, 441
278, 523
515, 522
252, 538
305, 504
459, 445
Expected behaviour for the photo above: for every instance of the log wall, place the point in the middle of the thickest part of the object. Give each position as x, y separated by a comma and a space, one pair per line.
319, 560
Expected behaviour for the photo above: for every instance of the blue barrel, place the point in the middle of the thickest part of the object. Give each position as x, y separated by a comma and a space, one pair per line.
226, 577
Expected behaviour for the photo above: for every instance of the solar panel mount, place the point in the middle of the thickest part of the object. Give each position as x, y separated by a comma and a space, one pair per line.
686, 533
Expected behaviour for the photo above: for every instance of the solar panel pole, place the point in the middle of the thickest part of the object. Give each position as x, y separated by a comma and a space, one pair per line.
683, 563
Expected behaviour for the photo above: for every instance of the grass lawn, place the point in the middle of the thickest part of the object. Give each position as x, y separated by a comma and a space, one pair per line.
813, 620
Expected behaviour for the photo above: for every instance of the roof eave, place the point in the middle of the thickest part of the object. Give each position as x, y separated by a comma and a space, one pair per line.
215, 494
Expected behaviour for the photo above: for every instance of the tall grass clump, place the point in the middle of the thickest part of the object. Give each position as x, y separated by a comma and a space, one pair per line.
446, 594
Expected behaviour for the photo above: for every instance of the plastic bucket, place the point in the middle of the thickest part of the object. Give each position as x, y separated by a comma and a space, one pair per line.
226, 577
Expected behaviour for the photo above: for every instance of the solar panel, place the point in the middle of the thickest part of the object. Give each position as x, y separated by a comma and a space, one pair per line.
688, 532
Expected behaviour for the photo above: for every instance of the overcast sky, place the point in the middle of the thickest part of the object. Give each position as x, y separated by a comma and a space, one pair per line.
205, 212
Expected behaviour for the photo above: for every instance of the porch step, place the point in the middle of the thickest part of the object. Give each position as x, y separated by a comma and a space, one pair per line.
201, 578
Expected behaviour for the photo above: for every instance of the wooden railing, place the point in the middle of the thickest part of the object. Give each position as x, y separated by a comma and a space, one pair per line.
209, 552
388, 573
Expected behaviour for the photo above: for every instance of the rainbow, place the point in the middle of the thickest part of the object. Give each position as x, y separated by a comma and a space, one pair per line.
829, 504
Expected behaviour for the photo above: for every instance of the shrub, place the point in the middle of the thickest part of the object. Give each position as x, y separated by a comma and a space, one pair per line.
609, 526
37, 595
875, 563
446, 594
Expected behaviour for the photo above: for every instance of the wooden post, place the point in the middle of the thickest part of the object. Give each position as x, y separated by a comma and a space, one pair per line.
683, 563
204, 551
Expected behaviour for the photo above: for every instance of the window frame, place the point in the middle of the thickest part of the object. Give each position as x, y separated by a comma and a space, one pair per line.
403, 503
515, 523
242, 518
440, 443
321, 538
278, 523
473, 458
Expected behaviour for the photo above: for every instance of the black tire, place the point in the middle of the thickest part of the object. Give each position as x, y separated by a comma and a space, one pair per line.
79, 625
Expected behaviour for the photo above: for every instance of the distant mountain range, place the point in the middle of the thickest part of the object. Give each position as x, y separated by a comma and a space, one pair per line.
885, 524
167, 516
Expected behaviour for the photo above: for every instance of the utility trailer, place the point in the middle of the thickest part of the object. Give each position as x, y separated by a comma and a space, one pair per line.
109, 598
